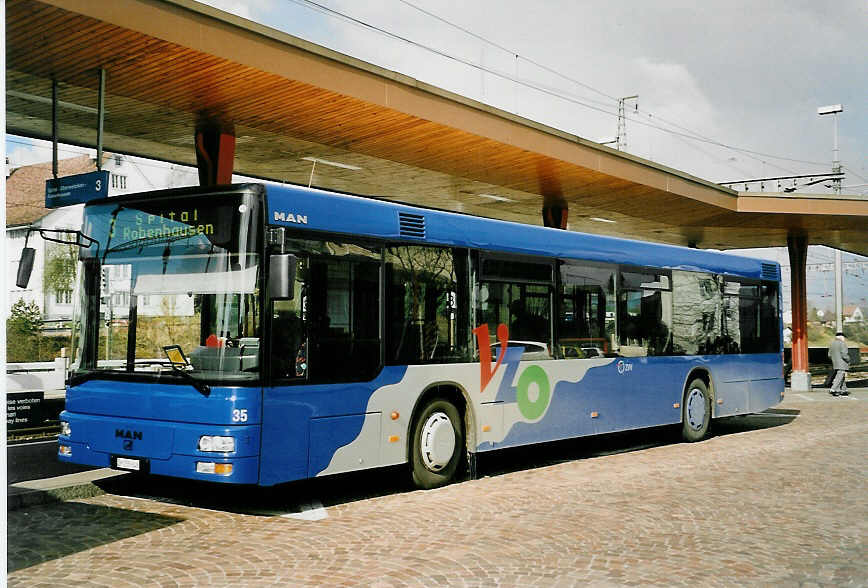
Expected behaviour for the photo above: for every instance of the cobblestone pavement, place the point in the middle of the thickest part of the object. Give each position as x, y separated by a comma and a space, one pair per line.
779, 499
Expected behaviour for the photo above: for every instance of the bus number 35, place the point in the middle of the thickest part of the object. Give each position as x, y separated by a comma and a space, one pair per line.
239, 415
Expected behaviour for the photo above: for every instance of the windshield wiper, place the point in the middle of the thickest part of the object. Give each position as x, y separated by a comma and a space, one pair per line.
80, 377
199, 385
202, 387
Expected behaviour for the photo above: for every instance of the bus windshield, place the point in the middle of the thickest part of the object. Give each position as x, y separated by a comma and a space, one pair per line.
170, 289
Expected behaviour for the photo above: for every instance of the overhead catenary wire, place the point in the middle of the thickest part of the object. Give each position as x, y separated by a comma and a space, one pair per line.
508, 50
563, 95
567, 77
613, 98
591, 88
852, 171
551, 70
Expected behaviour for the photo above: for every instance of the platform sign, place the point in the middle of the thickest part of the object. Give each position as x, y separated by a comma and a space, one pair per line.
76, 189
24, 410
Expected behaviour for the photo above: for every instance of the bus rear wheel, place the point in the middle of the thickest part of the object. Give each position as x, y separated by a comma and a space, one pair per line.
696, 411
437, 446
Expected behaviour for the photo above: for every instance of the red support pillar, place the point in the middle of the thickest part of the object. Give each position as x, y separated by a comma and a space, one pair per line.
215, 152
555, 215
797, 245
555, 208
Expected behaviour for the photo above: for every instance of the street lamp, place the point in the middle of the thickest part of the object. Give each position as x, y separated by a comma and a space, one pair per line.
835, 109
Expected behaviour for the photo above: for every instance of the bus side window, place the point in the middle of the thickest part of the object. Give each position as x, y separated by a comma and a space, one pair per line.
343, 319
518, 293
426, 305
329, 331
645, 314
586, 319
288, 329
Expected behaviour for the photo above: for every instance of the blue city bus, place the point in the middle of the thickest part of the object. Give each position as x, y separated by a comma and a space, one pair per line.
259, 334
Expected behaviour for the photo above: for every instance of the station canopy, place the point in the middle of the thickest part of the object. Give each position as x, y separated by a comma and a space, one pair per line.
170, 64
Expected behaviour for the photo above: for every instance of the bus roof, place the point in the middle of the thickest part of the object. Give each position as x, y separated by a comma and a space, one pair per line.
319, 210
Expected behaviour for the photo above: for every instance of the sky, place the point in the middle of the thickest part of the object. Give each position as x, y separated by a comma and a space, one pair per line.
727, 91
746, 74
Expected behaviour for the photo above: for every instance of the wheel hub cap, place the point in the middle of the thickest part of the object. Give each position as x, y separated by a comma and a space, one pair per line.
696, 409
438, 441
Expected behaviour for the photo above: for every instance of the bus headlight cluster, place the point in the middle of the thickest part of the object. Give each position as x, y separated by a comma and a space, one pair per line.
214, 443
65, 429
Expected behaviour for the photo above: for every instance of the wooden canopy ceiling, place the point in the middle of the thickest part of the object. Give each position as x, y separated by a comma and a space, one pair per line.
169, 63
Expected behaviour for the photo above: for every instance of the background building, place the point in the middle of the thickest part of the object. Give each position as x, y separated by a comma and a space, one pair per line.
50, 287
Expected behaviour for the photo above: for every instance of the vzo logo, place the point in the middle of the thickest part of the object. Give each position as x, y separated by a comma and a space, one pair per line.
532, 391
624, 367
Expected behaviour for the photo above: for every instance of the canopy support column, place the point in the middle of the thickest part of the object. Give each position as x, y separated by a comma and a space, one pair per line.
215, 152
555, 215
797, 245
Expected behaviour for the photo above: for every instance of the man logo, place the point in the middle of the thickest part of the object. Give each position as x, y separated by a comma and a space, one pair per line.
288, 217
128, 436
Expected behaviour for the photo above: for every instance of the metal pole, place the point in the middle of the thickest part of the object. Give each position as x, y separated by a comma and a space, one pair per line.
312, 169
101, 118
109, 319
54, 128
839, 293
837, 158
622, 121
834, 109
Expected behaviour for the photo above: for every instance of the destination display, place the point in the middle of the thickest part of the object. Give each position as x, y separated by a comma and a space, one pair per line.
172, 223
124, 227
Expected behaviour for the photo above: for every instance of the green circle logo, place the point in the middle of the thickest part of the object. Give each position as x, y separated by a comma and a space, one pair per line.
533, 410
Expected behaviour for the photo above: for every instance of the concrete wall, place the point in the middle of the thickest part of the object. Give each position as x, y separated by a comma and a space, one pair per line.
47, 376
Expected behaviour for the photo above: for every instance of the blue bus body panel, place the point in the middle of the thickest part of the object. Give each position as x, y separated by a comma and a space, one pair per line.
287, 451
375, 218
767, 383
162, 423
153, 400
168, 447
639, 392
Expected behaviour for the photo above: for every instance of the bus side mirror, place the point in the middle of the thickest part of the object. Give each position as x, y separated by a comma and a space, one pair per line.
281, 276
25, 267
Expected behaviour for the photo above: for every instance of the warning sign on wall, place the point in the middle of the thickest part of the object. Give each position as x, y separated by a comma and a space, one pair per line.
24, 410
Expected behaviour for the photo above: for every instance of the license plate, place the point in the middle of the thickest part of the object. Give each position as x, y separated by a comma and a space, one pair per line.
125, 463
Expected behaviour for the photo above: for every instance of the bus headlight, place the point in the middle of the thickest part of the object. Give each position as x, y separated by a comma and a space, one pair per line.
213, 443
65, 429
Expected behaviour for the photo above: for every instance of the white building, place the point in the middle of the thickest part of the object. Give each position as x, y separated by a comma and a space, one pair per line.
25, 199
853, 314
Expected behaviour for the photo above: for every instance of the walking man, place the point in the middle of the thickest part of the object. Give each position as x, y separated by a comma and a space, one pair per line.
840, 363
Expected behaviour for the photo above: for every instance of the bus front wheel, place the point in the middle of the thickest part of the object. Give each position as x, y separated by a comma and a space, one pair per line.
437, 444
696, 411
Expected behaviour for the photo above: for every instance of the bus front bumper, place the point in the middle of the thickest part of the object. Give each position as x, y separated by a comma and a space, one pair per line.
166, 449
